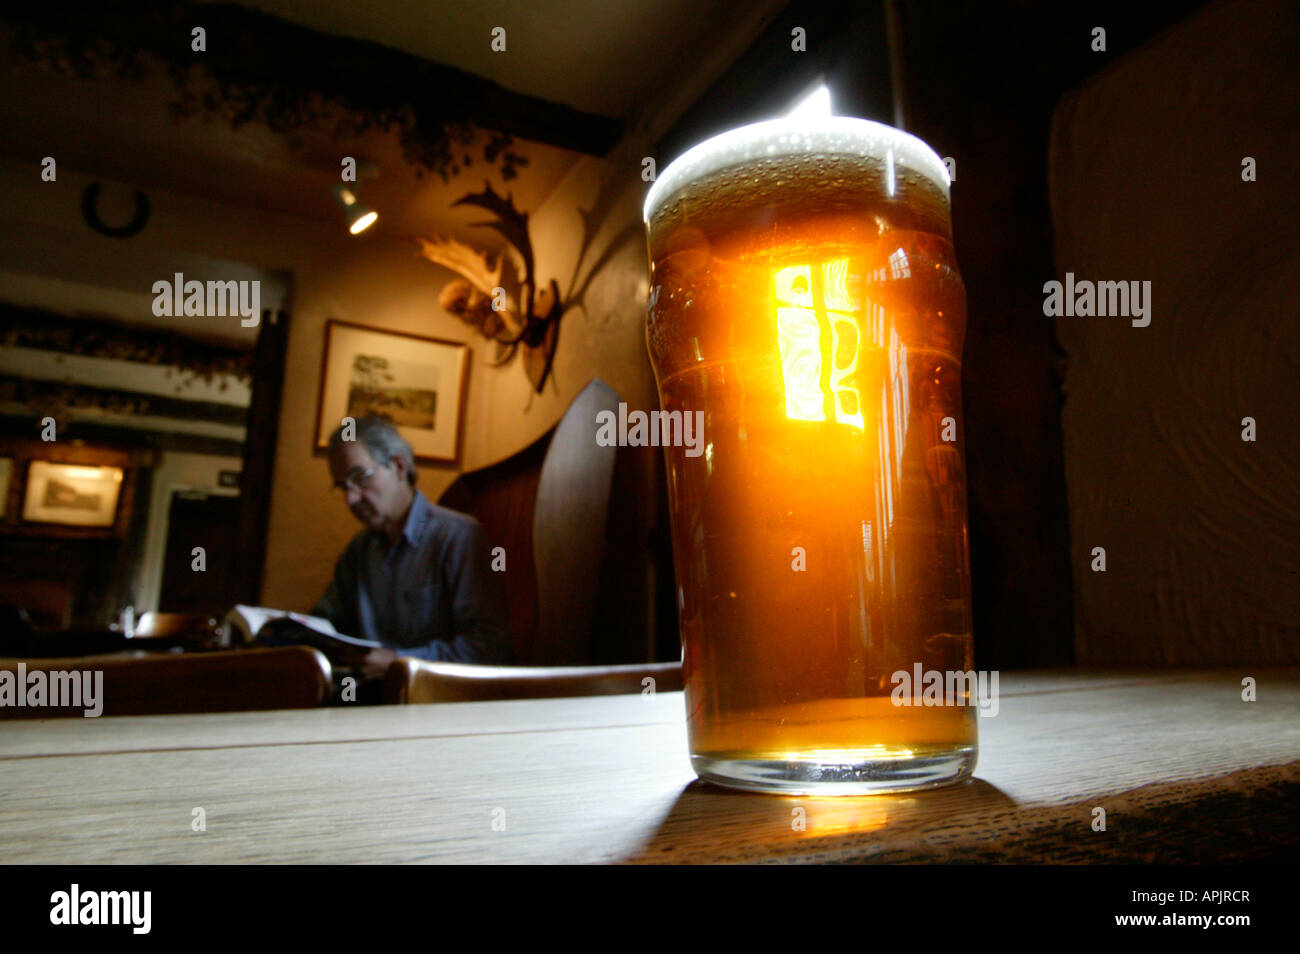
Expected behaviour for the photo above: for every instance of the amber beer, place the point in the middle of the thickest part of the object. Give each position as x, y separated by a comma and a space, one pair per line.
806, 298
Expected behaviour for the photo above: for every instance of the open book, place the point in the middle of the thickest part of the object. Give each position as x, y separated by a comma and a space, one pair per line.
274, 627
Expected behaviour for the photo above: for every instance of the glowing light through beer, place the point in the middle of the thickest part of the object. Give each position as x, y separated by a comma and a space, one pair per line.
799, 343
801, 364
840, 816
819, 343
898, 265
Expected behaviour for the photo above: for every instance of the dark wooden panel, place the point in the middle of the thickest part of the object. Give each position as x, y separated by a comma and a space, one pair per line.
590, 555
260, 442
981, 88
502, 498
569, 529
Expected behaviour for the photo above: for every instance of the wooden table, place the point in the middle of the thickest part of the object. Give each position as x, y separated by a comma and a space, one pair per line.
1185, 770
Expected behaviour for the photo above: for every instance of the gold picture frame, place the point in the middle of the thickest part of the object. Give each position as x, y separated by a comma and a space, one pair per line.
418, 383
72, 495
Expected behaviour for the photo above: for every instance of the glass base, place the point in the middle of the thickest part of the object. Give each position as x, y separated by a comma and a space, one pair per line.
850, 775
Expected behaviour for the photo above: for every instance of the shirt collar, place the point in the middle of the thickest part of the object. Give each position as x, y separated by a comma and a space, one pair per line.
420, 513
416, 518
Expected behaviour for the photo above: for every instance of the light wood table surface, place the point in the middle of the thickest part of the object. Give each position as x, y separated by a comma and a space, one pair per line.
1185, 770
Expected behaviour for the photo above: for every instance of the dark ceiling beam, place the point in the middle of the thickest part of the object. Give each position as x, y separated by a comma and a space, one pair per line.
39, 394
264, 67
24, 326
119, 437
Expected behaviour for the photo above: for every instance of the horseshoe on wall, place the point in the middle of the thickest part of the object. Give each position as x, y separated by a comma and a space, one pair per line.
90, 212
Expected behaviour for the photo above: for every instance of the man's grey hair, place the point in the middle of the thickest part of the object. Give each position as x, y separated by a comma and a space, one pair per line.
381, 439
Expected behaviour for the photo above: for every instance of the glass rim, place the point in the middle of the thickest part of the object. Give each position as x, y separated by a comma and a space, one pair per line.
795, 135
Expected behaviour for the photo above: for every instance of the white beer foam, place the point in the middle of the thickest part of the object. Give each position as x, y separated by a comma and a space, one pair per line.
796, 136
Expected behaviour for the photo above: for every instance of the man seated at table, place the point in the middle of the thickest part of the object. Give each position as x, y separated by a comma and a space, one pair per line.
418, 577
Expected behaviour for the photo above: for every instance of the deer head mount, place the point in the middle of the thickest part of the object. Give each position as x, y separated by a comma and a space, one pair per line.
504, 306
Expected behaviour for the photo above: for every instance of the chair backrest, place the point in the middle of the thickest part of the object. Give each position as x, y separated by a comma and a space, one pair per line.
569, 529
547, 507
48, 603
162, 625
502, 498
416, 681
158, 632
292, 677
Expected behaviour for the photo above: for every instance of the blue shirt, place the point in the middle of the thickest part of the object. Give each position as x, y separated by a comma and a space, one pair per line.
432, 595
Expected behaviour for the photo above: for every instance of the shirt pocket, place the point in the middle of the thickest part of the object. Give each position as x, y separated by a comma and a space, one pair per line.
423, 609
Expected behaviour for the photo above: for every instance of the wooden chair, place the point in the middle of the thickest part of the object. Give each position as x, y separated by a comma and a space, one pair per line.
156, 631
416, 681
293, 677
163, 625
588, 574
48, 603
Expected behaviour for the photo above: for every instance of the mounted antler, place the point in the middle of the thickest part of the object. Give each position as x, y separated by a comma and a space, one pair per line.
472, 298
535, 326
476, 267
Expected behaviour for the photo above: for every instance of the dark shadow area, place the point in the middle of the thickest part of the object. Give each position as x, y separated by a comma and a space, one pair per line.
979, 83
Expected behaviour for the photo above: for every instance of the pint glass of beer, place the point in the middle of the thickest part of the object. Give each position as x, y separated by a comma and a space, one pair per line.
805, 297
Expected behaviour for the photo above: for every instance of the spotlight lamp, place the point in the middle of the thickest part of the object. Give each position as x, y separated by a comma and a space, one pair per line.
359, 216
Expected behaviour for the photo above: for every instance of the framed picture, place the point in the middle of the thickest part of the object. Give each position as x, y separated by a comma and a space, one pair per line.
72, 494
417, 383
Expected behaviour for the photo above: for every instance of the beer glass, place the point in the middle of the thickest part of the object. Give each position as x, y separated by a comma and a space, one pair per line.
805, 297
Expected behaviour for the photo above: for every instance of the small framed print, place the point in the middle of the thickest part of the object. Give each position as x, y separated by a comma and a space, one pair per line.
416, 383
72, 495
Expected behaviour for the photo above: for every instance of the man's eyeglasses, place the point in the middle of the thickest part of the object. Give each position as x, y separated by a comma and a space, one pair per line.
356, 479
